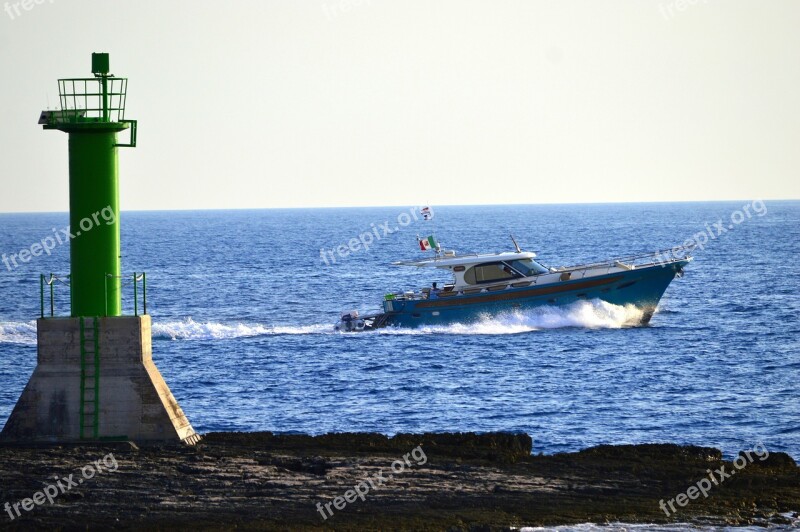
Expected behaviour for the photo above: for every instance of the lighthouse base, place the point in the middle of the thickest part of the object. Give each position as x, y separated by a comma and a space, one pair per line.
96, 380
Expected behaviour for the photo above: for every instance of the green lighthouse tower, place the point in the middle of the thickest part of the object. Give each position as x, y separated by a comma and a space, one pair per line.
93, 113
95, 379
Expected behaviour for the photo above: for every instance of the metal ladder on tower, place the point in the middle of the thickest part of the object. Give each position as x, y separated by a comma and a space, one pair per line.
90, 379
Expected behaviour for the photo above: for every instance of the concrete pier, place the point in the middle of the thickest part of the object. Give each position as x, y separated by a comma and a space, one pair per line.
110, 362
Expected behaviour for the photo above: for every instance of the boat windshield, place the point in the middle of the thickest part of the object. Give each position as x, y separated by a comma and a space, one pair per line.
490, 272
528, 267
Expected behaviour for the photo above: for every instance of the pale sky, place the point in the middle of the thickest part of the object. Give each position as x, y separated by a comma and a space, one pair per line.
254, 104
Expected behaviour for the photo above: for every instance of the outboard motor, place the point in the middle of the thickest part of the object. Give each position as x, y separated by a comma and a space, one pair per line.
350, 322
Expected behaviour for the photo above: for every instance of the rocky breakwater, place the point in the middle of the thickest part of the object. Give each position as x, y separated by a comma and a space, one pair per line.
369, 481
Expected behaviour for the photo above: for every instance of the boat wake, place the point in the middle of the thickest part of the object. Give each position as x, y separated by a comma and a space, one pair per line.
188, 329
18, 332
595, 314
24, 333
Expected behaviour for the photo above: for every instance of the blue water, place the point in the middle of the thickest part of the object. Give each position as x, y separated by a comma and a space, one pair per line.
243, 307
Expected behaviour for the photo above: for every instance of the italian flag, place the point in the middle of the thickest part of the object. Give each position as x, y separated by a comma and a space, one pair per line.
427, 243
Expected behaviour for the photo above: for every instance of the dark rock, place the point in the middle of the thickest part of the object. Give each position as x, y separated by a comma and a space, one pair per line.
774, 460
468, 482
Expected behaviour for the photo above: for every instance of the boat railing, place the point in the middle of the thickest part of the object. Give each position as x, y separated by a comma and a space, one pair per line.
662, 257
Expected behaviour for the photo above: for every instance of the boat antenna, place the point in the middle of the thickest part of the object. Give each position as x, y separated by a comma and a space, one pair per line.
427, 216
516, 246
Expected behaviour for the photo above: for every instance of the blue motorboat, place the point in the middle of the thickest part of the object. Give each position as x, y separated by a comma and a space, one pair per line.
491, 284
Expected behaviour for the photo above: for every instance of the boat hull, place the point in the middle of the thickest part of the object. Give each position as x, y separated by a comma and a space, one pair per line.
642, 288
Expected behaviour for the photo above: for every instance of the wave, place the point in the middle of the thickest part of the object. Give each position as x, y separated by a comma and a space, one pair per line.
188, 329
24, 333
595, 314
18, 333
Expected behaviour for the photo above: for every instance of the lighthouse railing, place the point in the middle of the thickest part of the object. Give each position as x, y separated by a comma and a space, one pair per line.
91, 100
136, 278
50, 282
48, 295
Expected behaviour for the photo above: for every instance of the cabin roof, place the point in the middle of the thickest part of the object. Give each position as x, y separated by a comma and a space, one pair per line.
444, 261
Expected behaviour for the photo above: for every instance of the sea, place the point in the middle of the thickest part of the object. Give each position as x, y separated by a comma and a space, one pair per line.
243, 304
